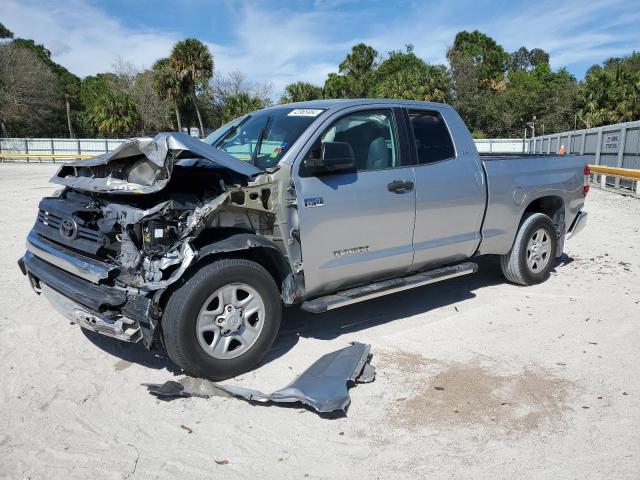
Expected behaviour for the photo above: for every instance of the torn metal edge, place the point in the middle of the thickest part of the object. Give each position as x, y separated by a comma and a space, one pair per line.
324, 386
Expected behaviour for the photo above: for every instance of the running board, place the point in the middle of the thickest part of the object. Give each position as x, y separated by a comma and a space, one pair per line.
378, 289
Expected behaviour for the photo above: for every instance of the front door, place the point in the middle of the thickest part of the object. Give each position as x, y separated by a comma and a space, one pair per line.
358, 226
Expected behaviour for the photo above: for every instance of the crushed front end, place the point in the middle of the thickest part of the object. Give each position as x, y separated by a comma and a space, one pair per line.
128, 225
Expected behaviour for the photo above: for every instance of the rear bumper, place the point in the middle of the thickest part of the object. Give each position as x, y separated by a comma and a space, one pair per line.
578, 224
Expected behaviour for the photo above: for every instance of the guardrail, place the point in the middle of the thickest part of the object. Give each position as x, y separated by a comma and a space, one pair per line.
62, 150
619, 173
616, 146
501, 145
52, 156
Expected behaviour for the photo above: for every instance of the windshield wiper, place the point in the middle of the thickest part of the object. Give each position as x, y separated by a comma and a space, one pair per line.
256, 149
230, 132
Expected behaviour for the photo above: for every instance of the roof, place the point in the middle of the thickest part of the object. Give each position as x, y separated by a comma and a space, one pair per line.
328, 104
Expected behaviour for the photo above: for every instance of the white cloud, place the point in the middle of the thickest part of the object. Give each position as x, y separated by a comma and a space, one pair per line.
83, 38
573, 32
281, 44
268, 45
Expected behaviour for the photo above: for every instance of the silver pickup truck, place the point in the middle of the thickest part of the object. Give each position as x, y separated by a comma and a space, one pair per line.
198, 245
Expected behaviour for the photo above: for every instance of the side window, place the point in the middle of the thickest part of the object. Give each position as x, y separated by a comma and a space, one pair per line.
431, 136
371, 135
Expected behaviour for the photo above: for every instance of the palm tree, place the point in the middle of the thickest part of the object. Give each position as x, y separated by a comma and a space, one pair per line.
192, 63
237, 105
301, 92
115, 114
67, 103
167, 85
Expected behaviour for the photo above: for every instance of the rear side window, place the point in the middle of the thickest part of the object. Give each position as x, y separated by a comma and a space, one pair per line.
431, 137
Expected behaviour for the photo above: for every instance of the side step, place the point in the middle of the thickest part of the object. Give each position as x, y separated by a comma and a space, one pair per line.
378, 289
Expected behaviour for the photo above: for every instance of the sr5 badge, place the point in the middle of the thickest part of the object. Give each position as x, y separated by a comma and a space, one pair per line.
314, 202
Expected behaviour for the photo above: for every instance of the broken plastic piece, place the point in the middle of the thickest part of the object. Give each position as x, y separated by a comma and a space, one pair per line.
323, 386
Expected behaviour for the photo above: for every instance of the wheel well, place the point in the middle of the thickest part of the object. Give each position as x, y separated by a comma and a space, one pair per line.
268, 257
552, 206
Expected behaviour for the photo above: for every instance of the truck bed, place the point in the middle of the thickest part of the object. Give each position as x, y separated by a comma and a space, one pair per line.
519, 156
513, 186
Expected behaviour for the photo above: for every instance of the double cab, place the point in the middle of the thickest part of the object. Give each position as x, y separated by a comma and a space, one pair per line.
199, 245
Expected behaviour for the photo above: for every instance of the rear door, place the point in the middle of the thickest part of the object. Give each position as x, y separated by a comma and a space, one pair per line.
358, 226
450, 191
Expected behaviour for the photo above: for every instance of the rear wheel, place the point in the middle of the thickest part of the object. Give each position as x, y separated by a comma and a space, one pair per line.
531, 258
223, 320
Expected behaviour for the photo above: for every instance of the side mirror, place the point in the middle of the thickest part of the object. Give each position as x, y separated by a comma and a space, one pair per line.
335, 157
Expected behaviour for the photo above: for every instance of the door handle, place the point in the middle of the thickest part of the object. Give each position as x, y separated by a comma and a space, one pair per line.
400, 186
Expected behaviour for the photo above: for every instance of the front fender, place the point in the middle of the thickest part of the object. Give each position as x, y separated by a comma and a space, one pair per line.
264, 252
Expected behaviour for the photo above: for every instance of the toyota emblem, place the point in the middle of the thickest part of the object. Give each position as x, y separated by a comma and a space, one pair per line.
69, 228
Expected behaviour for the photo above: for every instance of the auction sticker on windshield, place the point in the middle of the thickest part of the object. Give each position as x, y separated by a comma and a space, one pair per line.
305, 112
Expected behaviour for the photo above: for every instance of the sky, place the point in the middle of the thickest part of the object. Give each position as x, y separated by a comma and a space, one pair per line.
281, 42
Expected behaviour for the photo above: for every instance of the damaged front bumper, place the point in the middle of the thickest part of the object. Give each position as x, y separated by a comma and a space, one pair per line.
116, 312
80, 265
116, 326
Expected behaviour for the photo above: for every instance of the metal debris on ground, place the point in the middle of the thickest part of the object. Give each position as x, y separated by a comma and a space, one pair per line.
323, 386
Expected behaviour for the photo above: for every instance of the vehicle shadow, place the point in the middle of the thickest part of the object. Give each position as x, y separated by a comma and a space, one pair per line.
333, 324
155, 358
383, 310
389, 309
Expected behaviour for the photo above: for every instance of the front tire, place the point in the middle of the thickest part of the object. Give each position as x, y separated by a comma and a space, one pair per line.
531, 259
223, 320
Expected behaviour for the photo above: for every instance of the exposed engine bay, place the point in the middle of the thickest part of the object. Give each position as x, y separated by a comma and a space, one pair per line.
152, 207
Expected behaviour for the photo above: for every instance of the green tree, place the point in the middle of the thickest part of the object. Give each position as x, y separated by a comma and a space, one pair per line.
192, 63
338, 86
301, 92
168, 86
611, 92
355, 74
237, 105
549, 96
5, 32
404, 75
114, 113
486, 55
525, 59
108, 111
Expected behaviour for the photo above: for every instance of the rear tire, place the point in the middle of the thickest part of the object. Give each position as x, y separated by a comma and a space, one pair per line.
531, 259
223, 320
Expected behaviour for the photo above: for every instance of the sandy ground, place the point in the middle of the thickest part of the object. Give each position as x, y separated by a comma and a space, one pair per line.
538, 382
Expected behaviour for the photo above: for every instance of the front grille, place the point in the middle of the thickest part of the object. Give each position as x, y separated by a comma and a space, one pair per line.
52, 220
52, 213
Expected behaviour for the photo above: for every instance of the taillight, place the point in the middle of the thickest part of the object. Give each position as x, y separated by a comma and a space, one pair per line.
587, 180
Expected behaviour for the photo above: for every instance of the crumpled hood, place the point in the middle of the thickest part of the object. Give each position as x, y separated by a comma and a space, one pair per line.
143, 165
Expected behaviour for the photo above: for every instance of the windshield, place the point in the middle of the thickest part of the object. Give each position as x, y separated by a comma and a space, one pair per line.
263, 137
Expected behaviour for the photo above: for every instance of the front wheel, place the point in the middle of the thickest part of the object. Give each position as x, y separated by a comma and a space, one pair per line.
223, 320
531, 258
